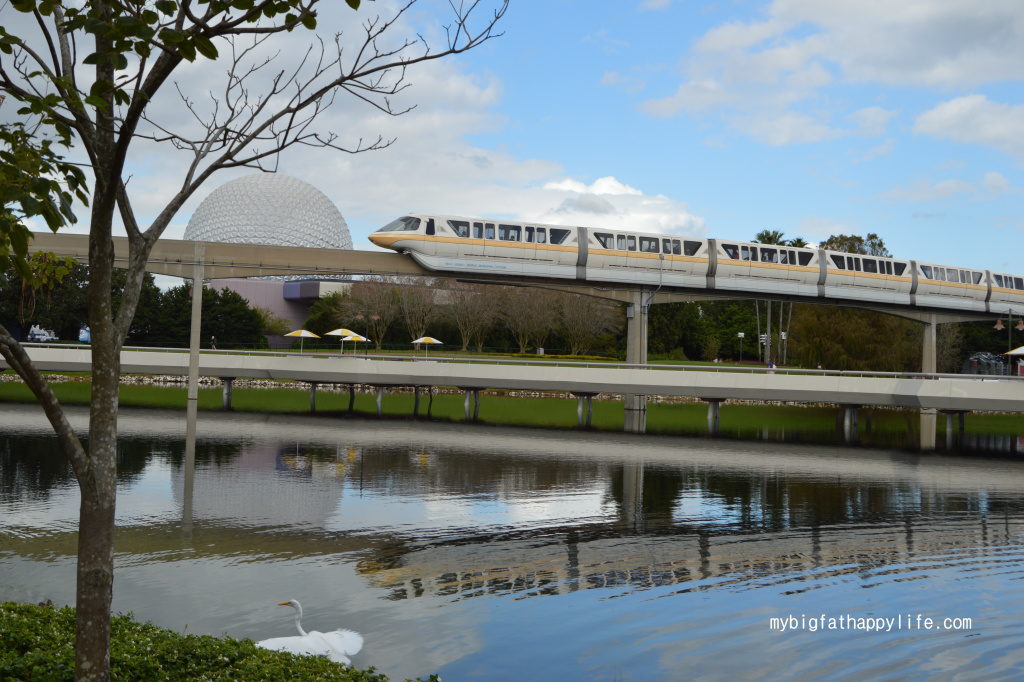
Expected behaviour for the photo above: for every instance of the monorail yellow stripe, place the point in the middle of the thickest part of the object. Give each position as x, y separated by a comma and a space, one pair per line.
732, 262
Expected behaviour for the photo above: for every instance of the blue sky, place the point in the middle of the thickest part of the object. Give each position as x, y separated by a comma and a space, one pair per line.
715, 118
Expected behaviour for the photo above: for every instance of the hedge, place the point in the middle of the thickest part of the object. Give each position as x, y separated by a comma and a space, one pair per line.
37, 643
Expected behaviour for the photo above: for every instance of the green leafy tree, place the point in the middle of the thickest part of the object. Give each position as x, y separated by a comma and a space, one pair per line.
87, 74
871, 245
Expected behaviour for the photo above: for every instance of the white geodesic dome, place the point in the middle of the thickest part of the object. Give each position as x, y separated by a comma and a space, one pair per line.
269, 208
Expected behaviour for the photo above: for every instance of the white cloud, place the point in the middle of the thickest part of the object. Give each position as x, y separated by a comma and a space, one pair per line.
609, 203
764, 68
991, 186
786, 128
975, 119
883, 149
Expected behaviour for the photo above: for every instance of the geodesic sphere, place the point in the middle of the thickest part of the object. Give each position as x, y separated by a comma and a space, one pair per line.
269, 208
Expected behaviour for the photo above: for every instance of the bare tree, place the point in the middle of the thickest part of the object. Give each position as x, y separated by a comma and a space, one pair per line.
375, 304
473, 308
529, 313
416, 300
584, 318
91, 72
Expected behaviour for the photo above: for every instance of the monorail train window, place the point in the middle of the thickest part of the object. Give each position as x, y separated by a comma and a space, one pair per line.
690, 248
405, 223
529, 234
964, 275
631, 242
459, 227
558, 236
478, 230
542, 235
488, 230
976, 276
784, 257
840, 262
745, 252
677, 250
509, 233
769, 256
606, 240
730, 249
620, 242
998, 280
926, 270
900, 268
870, 265
666, 246
888, 266
431, 229
1018, 283
853, 263
804, 257
649, 244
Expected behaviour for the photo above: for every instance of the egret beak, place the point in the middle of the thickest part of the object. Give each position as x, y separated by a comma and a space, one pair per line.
284, 603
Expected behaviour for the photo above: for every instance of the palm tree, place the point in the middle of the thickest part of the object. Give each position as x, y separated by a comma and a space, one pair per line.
769, 237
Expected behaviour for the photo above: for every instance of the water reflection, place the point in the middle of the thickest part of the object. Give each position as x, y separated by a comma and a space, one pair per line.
396, 527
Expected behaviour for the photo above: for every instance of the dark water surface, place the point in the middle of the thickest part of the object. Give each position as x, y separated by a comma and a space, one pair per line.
492, 553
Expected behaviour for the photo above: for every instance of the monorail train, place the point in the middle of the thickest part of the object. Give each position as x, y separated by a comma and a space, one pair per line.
457, 245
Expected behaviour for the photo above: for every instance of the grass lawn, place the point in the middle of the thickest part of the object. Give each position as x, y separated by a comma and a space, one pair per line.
739, 420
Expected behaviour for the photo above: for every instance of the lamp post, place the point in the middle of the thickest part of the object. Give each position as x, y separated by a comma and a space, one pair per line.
741, 336
1009, 326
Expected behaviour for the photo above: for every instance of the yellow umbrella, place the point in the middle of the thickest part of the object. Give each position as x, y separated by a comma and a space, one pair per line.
343, 333
355, 337
303, 334
428, 341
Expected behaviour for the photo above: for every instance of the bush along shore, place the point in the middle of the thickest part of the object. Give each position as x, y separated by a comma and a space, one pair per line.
675, 416
38, 644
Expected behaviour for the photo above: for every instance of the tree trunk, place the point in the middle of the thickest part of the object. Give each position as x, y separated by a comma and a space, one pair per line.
95, 585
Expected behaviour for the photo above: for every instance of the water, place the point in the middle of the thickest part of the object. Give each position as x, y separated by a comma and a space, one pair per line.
491, 553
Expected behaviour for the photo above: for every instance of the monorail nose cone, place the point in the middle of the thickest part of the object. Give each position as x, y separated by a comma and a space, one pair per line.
376, 239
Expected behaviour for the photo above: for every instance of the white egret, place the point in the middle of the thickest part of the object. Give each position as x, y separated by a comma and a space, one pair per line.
337, 645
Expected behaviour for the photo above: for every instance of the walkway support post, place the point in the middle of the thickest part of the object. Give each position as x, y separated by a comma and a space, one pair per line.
472, 413
312, 396
351, 397
227, 384
584, 409
416, 401
851, 428
380, 401
929, 417
635, 405
714, 415
197, 317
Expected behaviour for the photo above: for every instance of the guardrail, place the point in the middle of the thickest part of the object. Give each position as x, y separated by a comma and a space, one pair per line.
559, 363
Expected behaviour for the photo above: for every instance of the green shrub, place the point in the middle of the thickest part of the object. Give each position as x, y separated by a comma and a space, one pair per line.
37, 643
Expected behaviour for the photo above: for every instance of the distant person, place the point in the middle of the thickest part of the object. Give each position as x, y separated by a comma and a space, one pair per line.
771, 367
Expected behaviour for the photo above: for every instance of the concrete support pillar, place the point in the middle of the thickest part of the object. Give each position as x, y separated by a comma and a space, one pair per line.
714, 416
636, 353
465, 402
351, 397
928, 365
380, 401
851, 429
416, 401
197, 317
226, 387
476, 404
312, 396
